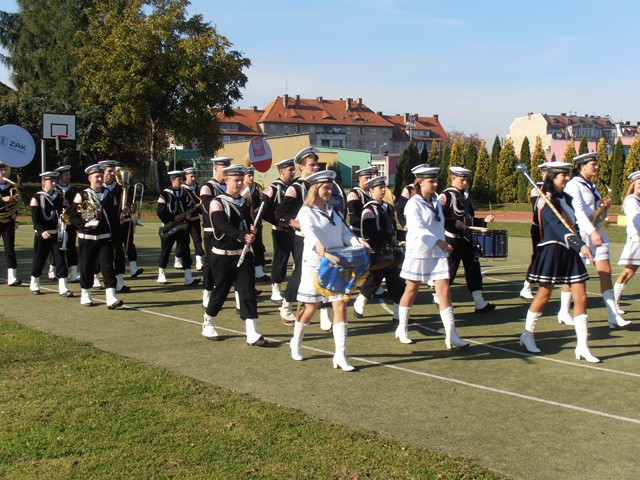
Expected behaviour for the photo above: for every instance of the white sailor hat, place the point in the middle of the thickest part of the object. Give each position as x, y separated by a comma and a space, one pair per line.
2, 164
422, 165
49, 175
585, 157
95, 168
250, 171
375, 181
175, 173
426, 172
556, 167
367, 171
62, 169
190, 170
109, 163
304, 153
323, 176
235, 171
634, 176
285, 163
222, 161
460, 172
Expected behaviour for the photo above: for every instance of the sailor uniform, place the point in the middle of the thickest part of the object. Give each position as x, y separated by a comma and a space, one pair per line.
172, 203
257, 246
356, 199
8, 231
195, 225
631, 251
45, 211
208, 192
68, 193
272, 197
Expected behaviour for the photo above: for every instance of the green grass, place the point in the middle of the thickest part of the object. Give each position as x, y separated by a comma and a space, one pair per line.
69, 410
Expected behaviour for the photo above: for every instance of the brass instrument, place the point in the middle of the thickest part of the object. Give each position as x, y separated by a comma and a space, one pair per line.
172, 227
122, 177
9, 208
90, 213
136, 187
599, 217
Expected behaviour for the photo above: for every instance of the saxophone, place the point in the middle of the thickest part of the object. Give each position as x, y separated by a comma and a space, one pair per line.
599, 217
172, 227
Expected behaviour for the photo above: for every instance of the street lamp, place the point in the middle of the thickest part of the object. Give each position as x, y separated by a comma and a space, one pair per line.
384, 145
410, 124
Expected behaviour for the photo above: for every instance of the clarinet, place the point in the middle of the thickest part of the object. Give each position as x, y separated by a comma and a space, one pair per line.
256, 221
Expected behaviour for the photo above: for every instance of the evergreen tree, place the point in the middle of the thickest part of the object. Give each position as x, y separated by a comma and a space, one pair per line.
569, 151
493, 167
524, 187
424, 155
401, 168
603, 179
632, 164
507, 182
617, 172
458, 155
538, 158
480, 190
584, 146
471, 157
434, 155
443, 173
553, 158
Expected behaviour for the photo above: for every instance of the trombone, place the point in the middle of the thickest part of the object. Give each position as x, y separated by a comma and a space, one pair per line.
138, 189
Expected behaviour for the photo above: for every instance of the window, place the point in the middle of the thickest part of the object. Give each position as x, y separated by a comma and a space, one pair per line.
226, 139
229, 126
373, 132
312, 129
361, 144
298, 128
273, 128
348, 144
398, 146
385, 132
285, 128
360, 130
348, 130
420, 146
372, 145
241, 138
325, 143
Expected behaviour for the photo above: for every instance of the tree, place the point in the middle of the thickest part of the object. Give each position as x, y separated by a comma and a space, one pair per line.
524, 187
538, 158
507, 182
152, 67
493, 166
480, 190
471, 157
424, 155
457, 158
434, 155
443, 173
617, 172
603, 179
569, 151
632, 164
584, 146
402, 170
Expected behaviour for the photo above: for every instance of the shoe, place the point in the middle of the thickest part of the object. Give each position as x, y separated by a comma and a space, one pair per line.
264, 279
67, 294
162, 280
16, 283
526, 295
287, 315
90, 304
618, 322
260, 342
35, 292
137, 273
342, 363
489, 307
194, 282
584, 352
528, 341
210, 333
564, 317
124, 289
115, 305
177, 263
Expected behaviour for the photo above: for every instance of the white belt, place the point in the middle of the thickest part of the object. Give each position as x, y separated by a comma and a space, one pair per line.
218, 251
450, 235
94, 237
208, 229
50, 232
299, 233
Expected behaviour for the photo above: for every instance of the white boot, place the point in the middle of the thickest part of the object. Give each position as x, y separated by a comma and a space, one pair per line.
526, 293
527, 340
436, 300
618, 288
253, 337
396, 312
326, 317
34, 285
96, 281
177, 263
12, 277
206, 295
188, 278
276, 294
403, 319
199, 263
52, 272
286, 313
209, 329
358, 305
74, 274
340, 338
582, 333
564, 316
119, 281
161, 276
296, 341
63, 289
482, 306
112, 301
85, 297
451, 338
614, 320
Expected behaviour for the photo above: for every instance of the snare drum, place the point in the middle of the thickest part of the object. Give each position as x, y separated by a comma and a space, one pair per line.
340, 278
383, 257
491, 244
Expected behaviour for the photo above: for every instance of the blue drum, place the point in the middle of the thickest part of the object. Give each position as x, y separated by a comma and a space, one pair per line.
341, 268
491, 243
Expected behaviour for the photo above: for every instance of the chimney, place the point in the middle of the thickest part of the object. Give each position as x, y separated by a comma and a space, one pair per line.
563, 114
529, 114
349, 100
435, 115
379, 113
320, 99
359, 104
255, 108
285, 101
297, 101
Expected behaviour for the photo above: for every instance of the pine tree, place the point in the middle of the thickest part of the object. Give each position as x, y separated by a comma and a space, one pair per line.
584, 146
507, 182
569, 151
632, 164
493, 167
424, 155
434, 155
617, 172
401, 168
603, 179
538, 158
471, 157
443, 173
480, 190
457, 156
524, 187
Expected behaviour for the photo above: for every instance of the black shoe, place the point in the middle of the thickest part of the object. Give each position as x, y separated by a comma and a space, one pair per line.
194, 282
124, 289
88, 304
489, 307
115, 305
356, 314
267, 261
16, 283
258, 292
137, 273
263, 279
67, 294
35, 292
261, 342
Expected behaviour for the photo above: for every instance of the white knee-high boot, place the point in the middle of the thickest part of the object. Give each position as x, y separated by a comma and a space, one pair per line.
451, 338
527, 340
358, 305
296, 341
582, 333
209, 329
614, 320
12, 277
403, 324
253, 337
85, 297
340, 339
326, 317
564, 316
618, 288
526, 293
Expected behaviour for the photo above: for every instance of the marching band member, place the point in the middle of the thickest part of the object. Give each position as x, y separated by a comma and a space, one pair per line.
426, 255
457, 207
231, 220
95, 213
128, 234
46, 208
68, 192
173, 209
190, 187
358, 196
8, 227
558, 260
630, 257
254, 193
323, 229
404, 197
586, 201
211, 189
286, 213
379, 230
272, 197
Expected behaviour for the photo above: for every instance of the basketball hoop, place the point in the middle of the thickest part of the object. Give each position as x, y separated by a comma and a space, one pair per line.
58, 136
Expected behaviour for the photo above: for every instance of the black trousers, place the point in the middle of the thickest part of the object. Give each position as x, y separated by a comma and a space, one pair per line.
395, 283
259, 249
96, 253
464, 251
282, 248
41, 250
181, 237
71, 253
291, 293
207, 276
225, 275
196, 238
8, 232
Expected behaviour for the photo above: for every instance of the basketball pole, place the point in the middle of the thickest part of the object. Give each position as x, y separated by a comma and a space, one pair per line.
43, 156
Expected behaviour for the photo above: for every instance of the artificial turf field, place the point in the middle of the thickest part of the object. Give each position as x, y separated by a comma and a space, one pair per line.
545, 416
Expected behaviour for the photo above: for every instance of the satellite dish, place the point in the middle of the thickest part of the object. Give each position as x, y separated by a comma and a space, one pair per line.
17, 147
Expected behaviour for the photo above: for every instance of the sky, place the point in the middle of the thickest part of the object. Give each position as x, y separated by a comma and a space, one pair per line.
477, 64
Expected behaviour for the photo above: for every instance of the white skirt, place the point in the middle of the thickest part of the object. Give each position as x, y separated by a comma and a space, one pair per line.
307, 290
599, 253
630, 253
425, 269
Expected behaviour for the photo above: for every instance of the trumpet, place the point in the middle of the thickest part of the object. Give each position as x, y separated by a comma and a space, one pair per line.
599, 217
8, 210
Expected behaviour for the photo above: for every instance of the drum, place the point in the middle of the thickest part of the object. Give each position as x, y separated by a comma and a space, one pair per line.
340, 269
491, 243
383, 257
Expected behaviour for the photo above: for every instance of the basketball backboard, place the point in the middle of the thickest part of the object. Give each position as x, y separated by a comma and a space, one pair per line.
55, 124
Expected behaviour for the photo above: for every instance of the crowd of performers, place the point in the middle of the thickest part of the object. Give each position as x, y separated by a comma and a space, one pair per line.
308, 219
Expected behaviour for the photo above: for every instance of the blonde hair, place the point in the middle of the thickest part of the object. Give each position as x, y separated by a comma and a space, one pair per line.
312, 195
632, 186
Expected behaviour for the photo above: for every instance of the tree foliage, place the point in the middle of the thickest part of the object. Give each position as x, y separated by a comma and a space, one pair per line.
458, 156
603, 179
617, 172
443, 173
524, 187
632, 164
538, 158
493, 166
471, 158
569, 151
507, 182
434, 155
480, 190
584, 146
